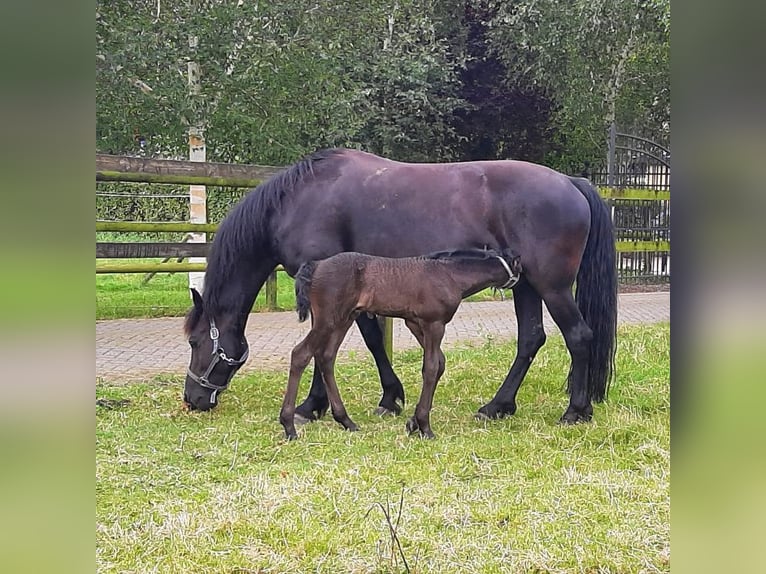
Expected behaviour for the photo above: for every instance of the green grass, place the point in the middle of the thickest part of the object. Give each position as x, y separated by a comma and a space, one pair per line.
122, 295
224, 492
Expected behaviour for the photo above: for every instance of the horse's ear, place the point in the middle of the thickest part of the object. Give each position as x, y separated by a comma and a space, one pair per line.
196, 298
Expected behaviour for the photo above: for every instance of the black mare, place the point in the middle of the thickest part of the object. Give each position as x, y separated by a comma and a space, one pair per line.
344, 200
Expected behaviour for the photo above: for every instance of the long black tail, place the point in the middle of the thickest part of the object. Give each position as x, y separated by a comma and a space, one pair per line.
302, 288
596, 292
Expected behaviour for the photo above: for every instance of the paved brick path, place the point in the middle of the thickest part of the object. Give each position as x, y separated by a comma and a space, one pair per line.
137, 349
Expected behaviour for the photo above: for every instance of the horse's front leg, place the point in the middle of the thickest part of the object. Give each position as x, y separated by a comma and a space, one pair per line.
393, 391
316, 403
433, 368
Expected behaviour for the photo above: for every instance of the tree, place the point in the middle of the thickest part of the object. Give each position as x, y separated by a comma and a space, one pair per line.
278, 80
589, 55
501, 119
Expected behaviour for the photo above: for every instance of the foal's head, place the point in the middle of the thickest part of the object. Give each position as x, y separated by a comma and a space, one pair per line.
218, 350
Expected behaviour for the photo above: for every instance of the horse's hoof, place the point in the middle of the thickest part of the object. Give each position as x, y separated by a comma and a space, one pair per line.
490, 411
309, 412
300, 419
388, 407
352, 427
411, 425
427, 434
291, 436
572, 417
384, 412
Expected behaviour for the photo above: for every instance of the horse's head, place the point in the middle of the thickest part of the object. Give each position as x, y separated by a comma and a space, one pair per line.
218, 350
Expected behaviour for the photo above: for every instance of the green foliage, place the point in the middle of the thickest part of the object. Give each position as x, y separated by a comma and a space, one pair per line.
591, 57
278, 80
415, 80
149, 202
126, 295
223, 491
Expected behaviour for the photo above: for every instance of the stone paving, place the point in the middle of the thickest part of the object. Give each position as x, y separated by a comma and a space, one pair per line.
138, 349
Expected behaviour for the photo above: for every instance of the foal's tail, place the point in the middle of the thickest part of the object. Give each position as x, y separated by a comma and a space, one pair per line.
596, 292
302, 288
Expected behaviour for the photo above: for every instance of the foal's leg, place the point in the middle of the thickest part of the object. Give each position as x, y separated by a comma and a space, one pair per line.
531, 336
415, 330
325, 360
299, 359
577, 335
316, 403
433, 368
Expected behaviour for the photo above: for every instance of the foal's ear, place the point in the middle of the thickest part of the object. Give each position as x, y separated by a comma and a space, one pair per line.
515, 261
196, 298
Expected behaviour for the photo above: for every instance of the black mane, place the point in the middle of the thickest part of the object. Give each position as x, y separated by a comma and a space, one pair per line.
244, 235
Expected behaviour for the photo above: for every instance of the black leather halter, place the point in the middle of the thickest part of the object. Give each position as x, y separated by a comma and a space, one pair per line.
218, 355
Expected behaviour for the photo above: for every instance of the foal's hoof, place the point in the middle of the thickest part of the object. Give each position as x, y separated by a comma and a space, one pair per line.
573, 417
384, 412
491, 411
412, 426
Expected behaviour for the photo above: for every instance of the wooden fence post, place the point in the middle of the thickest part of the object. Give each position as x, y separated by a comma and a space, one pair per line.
387, 326
271, 291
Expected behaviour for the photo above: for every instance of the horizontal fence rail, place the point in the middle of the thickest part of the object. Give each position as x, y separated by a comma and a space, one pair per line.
110, 250
144, 226
142, 170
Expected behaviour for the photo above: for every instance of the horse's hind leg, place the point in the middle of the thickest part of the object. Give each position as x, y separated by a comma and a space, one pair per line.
577, 335
393, 391
325, 360
531, 336
433, 368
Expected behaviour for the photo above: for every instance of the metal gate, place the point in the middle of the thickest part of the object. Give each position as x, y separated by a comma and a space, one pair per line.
635, 162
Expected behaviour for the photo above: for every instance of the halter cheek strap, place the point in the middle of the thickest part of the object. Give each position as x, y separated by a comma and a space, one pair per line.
218, 355
512, 279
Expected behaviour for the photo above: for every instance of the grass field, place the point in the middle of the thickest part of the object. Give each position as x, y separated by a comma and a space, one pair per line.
224, 492
123, 295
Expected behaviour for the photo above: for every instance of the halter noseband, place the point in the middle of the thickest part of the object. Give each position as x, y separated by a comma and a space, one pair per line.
218, 355
512, 279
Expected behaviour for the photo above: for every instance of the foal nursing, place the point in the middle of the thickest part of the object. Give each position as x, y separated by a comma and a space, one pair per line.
424, 291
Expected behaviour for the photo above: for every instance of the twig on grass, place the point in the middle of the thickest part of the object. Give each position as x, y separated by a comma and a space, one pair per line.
393, 528
234, 457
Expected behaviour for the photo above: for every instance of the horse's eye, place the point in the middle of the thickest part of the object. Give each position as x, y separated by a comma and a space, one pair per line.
193, 344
